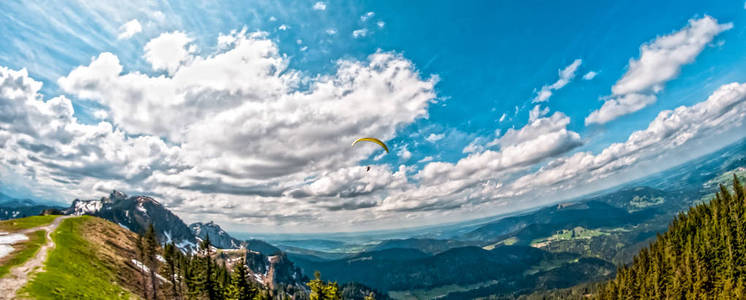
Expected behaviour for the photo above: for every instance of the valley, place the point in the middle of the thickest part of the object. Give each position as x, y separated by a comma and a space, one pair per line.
555, 247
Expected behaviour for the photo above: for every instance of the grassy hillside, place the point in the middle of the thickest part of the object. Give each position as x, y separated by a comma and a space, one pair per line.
74, 270
91, 260
22, 252
25, 223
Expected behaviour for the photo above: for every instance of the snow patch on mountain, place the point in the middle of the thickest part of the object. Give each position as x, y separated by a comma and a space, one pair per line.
86, 207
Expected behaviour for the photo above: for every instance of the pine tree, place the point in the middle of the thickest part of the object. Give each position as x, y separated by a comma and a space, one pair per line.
170, 256
323, 291
209, 270
140, 247
240, 288
150, 259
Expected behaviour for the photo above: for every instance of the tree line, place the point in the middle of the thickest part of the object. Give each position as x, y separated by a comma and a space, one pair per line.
201, 276
702, 255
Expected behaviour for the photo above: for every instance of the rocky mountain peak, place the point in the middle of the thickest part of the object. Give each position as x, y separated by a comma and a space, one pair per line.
136, 213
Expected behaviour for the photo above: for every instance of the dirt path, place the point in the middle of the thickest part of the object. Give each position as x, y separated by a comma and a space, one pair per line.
19, 275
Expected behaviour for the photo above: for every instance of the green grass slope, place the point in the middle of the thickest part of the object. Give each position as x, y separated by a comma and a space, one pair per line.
74, 269
25, 223
22, 252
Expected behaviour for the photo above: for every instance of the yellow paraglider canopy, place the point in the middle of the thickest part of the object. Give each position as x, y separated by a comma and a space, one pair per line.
372, 140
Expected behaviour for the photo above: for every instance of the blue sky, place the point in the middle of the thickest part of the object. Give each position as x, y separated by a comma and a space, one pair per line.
454, 90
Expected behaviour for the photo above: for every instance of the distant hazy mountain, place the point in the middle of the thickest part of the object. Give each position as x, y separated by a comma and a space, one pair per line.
11, 208
406, 269
135, 213
590, 214
431, 246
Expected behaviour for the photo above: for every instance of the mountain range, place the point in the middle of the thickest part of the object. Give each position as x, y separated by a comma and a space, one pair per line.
557, 246
11, 208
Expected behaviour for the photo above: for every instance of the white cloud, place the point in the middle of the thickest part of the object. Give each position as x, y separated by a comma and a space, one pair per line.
723, 111
506, 176
282, 27
319, 6
617, 107
380, 24
268, 166
100, 114
425, 159
659, 62
472, 180
129, 29
168, 51
157, 15
537, 112
502, 118
360, 33
43, 143
435, 137
367, 16
473, 147
404, 153
590, 75
565, 75
272, 19
246, 92
331, 31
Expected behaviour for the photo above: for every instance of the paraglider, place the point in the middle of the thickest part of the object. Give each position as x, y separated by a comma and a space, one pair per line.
372, 140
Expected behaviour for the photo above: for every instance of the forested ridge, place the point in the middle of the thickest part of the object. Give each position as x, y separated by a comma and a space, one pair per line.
702, 255
201, 276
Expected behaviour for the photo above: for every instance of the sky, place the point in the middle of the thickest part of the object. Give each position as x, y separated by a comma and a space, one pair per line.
244, 112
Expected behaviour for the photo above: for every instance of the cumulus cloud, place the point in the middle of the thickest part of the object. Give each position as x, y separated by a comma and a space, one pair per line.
496, 176
446, 185
565, 76
45, 143
331, 31
590, 75
129, 29
360, 33
617, 107
380, 24
273, 136
100, 114
239, 135
319, 6
659, 62
168, 51
404, 153
724, 110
